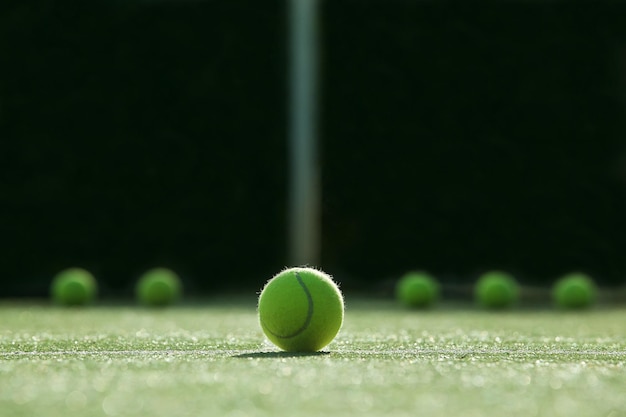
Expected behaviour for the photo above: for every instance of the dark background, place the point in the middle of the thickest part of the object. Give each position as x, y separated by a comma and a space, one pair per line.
455, 139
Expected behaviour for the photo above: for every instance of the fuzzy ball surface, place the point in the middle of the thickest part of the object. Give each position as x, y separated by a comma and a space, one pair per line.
73, 287
417, 290
496, 290
158, 287
301, 309
574, 291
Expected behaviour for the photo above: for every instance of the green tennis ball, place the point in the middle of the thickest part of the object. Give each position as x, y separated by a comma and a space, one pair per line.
301, 310
574, 291
73, 287
158, 287
496, 290
417, 289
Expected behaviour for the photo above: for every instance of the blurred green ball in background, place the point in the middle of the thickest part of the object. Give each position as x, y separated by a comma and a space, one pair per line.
158, 287
73, 287
496, 290
417, 289
574, 291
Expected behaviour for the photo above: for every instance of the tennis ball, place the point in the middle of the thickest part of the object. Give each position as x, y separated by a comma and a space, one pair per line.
73, 287
158, 287
417, 289
301, 310
574, 291
496, 290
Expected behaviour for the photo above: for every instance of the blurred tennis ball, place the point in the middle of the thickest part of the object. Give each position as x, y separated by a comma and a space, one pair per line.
158, 287
73, 287
417, 289
496, 290
574, 291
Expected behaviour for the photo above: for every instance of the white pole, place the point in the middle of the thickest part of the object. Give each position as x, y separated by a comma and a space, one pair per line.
304, 193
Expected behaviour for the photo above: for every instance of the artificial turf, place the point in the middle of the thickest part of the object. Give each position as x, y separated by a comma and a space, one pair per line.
211, 360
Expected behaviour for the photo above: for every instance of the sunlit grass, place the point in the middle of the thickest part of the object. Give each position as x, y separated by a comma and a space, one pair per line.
212, 359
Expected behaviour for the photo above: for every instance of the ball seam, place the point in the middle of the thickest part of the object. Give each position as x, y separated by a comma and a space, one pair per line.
309, 314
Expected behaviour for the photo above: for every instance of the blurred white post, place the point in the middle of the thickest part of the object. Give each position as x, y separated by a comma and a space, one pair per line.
304, 176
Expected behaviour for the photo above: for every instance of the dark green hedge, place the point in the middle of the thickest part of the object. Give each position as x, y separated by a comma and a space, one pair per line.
454, 139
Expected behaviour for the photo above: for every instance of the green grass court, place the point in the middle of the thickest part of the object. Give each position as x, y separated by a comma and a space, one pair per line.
211, 359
